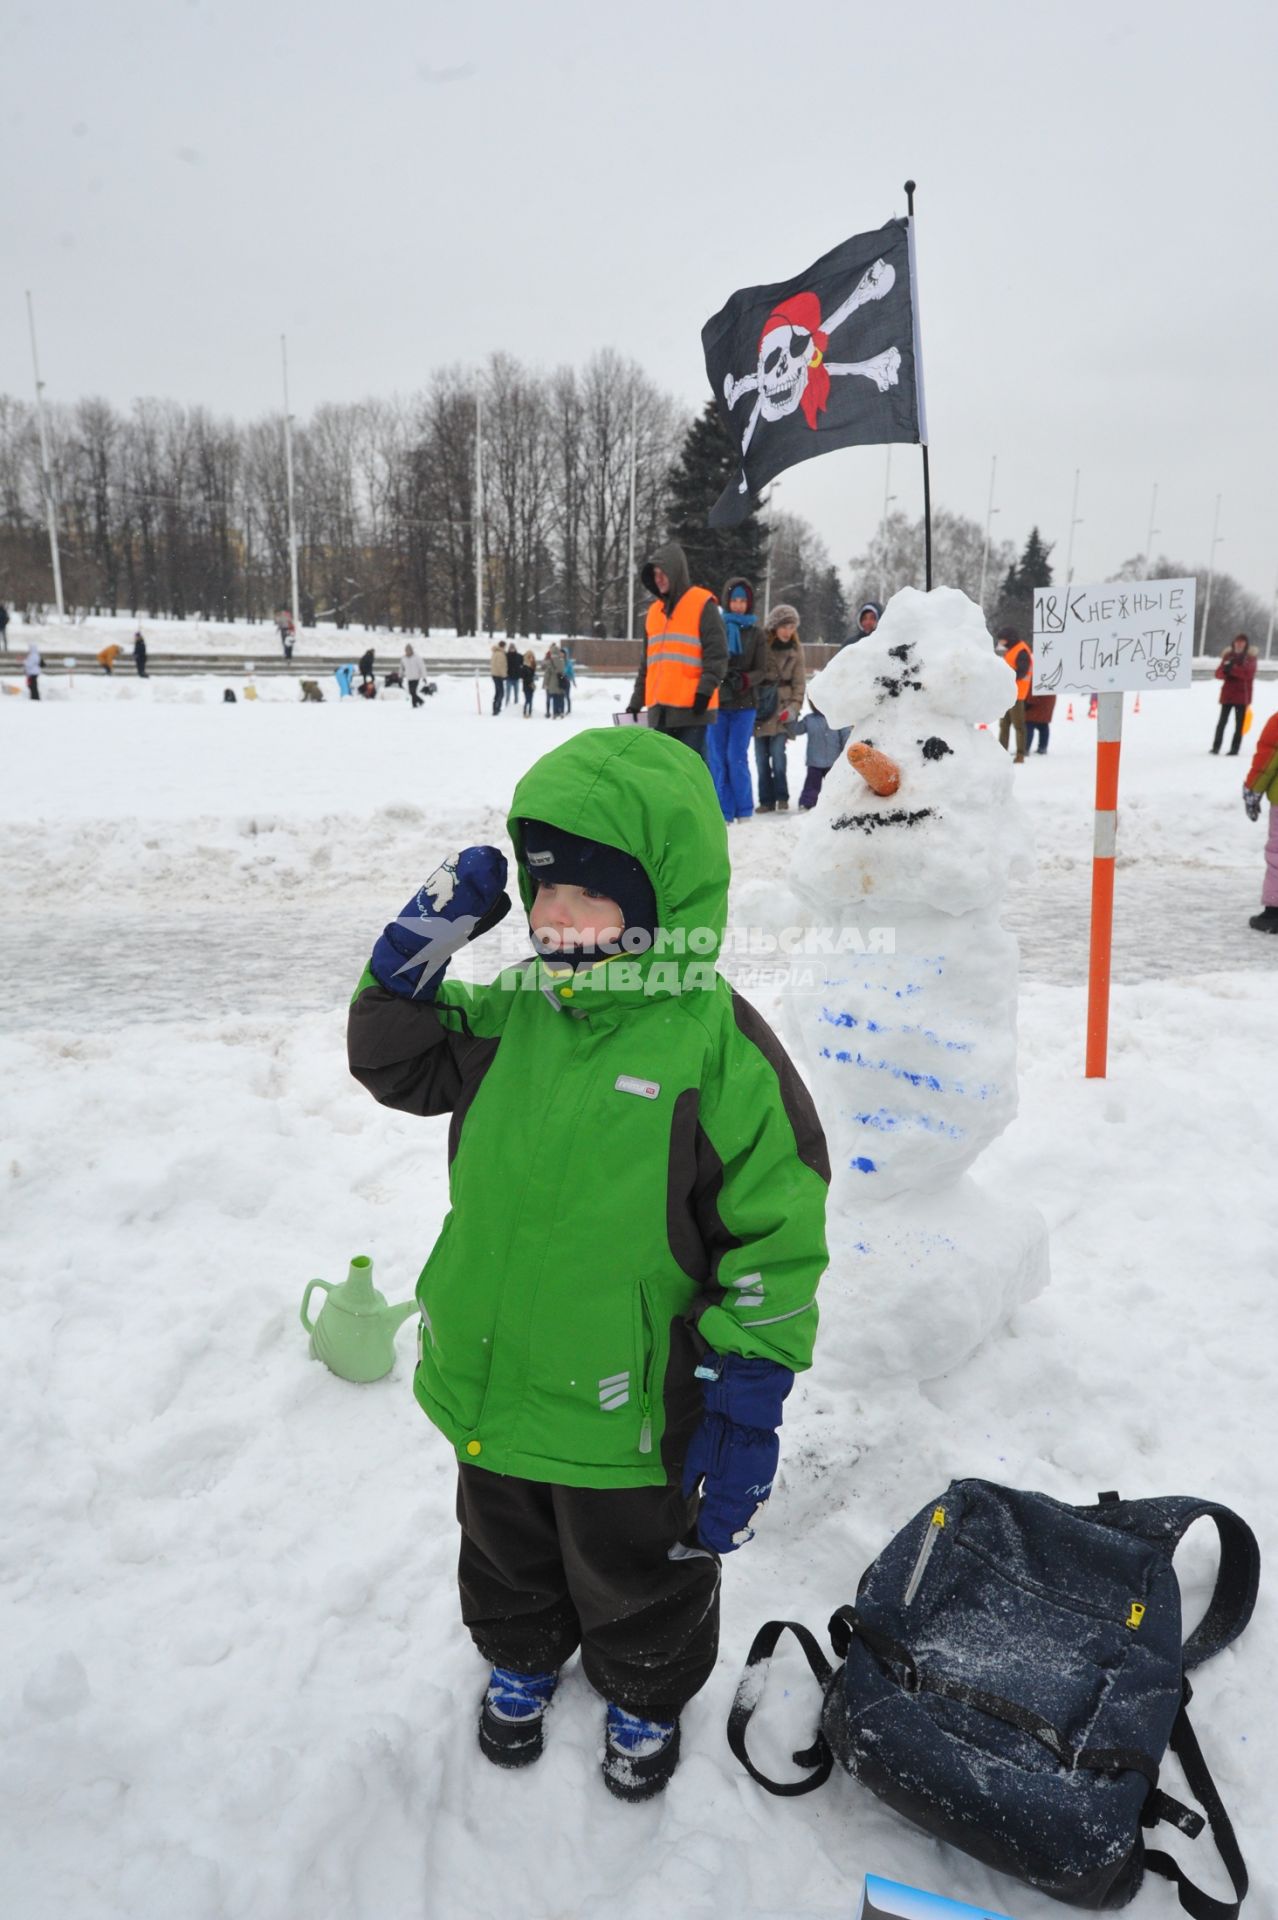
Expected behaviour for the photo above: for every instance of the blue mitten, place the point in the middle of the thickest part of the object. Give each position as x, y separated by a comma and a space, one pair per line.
735, 1450
463, 898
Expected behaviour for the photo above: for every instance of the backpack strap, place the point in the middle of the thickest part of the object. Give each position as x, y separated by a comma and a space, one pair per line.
750, 1691
1164, 1523
1200, 1905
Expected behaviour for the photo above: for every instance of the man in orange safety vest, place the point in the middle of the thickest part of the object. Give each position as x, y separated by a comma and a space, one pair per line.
1019, 658
685, 652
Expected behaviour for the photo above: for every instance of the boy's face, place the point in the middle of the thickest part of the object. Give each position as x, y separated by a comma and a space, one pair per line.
564, 919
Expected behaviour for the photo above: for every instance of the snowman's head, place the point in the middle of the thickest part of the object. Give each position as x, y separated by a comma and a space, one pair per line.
929, 659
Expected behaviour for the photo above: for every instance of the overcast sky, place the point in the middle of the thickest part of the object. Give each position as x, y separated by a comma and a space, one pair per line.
399, 184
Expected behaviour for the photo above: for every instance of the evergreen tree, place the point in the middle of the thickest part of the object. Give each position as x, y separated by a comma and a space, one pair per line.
707, 461
1016, 602
832, 620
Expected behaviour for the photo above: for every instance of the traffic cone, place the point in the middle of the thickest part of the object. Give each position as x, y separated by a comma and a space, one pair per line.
1069, 711
1091, 708
1136, 708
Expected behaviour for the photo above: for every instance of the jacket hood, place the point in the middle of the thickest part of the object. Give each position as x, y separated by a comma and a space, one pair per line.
673, 562
869, 606
739, 584
633, 788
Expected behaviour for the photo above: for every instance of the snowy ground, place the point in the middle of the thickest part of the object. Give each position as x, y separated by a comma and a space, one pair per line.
235, 1682
84, 636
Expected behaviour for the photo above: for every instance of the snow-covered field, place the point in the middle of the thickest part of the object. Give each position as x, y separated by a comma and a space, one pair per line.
235, 1682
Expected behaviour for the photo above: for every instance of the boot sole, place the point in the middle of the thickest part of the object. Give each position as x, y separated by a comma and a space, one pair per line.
631, 1782
509, 1746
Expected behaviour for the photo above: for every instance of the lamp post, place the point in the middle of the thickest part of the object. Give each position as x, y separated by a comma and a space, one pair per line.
50, 510
888, 498
1075, 521
479, 519
288, 465
634, 467
767, 575
1149, 537
990, 511
1211, 575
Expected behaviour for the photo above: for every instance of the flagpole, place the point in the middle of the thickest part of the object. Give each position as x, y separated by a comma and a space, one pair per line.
288, 469
918, 381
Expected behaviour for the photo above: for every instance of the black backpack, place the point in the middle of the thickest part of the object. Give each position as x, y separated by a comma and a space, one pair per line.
1012, 1677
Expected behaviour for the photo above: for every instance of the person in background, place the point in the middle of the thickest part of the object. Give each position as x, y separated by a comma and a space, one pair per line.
1021, 662
528, 675
139, 655
867, 620
570, 677
414, 672
4, 628
786, 673
685, 652
345, 678
728, 740
497, 668
1237, 671
824, 745
512, 674
366, 663
285, 628
1262, 784
553, 680
31, 667
1039, 709
108, 656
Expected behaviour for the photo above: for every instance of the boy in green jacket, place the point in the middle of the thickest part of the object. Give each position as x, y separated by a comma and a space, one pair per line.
608, 1339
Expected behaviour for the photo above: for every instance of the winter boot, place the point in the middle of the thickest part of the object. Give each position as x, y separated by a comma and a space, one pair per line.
783, 806
639, 1755
766, 806
511, 1718
1266, 921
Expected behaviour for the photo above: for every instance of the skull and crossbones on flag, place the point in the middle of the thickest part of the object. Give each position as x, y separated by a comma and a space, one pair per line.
801, 396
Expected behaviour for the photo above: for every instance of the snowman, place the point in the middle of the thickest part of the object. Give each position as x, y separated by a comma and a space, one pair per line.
907, 1030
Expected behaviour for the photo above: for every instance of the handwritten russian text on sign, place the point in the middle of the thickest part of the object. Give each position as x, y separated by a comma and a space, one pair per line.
1130, 633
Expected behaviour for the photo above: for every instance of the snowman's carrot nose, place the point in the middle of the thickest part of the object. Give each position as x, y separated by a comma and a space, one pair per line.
880, 774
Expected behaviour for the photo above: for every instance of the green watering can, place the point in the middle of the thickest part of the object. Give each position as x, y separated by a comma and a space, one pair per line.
355, 1333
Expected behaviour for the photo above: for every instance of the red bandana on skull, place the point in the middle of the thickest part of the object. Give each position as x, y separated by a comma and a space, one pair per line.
803, 312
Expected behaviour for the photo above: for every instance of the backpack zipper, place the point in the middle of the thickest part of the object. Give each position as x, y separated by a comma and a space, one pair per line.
934, 1526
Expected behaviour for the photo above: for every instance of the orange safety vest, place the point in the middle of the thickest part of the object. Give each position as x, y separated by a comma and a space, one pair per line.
674, 652
1025, 679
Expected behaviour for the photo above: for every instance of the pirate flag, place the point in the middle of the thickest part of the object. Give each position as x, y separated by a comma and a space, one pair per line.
828, 359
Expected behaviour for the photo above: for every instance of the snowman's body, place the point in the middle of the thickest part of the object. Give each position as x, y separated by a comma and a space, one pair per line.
908, 1034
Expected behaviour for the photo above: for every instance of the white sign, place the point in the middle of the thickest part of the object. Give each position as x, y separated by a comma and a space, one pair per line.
1130, 633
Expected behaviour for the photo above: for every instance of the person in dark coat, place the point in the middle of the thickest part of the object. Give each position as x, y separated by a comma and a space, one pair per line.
1237, 672
366, 666
139, 655
4, 628
513, 663
728, 741
867, 620
1039, 709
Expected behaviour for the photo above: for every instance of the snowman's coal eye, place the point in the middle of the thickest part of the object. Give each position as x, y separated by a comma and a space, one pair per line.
935, 748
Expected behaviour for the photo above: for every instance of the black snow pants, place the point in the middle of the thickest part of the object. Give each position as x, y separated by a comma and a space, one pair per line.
617, 1571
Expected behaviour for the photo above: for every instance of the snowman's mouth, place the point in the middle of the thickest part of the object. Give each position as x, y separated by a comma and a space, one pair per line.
899, 817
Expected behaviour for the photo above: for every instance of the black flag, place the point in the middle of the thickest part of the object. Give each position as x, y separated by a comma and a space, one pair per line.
827, 359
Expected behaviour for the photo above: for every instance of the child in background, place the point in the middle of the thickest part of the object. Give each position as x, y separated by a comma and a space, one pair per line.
608, 1340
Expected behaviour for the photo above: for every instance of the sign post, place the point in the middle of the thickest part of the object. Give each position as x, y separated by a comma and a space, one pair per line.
1101, 641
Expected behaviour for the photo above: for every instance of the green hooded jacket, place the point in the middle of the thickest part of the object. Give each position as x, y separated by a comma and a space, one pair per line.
636, 1171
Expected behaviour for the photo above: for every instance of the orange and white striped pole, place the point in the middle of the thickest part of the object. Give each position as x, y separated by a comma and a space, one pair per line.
1109, 739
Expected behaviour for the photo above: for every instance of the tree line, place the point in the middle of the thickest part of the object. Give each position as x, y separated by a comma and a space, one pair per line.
172, 511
